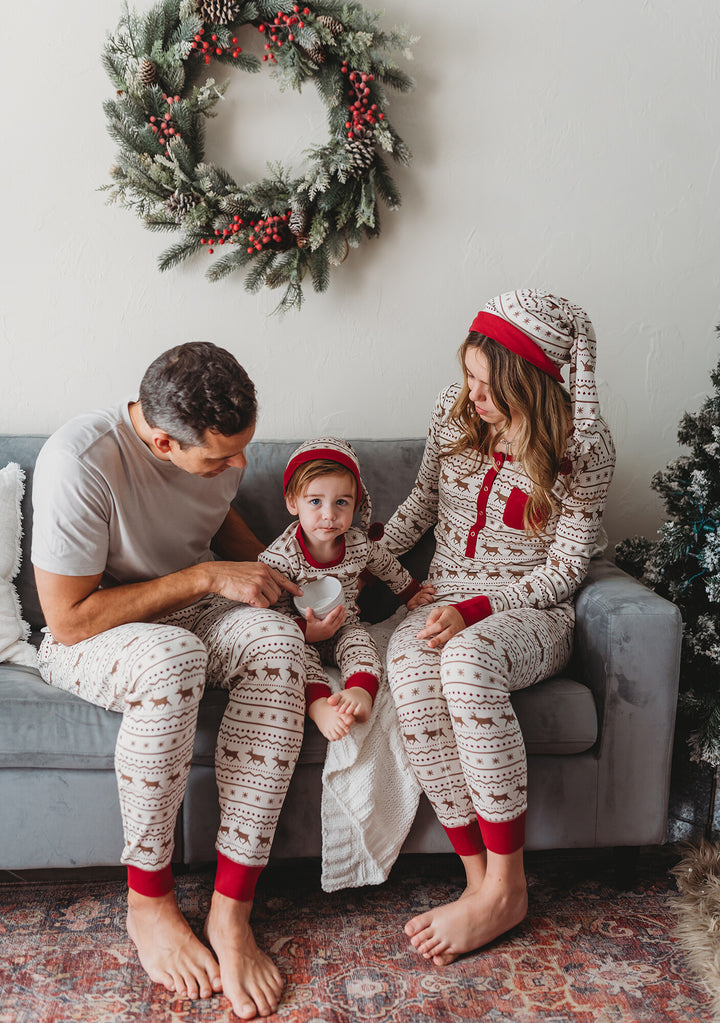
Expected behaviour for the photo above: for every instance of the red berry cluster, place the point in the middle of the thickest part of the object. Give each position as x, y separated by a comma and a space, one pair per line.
283, 23
213, 47
163, 127
261, 232
364, 114
266, 230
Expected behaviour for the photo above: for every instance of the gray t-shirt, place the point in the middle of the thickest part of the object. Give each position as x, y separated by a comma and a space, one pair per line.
103, 503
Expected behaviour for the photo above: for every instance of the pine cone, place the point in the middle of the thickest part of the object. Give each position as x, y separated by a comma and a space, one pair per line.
298, 222
219, 12
179, 204
316, 53
147, 73
362, 154
332, 24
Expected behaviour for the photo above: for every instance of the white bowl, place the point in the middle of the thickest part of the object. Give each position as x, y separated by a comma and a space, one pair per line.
322, 595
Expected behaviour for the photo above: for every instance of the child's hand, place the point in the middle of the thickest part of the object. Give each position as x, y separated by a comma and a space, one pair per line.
323, 628
425, 595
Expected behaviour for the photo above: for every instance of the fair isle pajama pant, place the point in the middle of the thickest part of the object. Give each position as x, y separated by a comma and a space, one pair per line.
155, 675
352, 650
457, 722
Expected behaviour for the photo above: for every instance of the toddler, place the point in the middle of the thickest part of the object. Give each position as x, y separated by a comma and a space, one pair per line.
323, 488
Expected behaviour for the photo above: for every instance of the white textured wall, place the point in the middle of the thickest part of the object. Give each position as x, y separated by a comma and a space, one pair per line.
569, 144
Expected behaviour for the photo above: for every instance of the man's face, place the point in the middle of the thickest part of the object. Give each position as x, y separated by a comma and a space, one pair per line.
216, 453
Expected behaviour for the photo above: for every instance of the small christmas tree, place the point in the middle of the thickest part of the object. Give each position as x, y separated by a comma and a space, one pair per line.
684, 566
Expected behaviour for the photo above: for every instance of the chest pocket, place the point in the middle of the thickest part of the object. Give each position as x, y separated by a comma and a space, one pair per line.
515, 509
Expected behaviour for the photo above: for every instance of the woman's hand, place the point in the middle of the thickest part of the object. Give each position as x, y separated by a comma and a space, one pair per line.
425, 595
323, 628
442, 624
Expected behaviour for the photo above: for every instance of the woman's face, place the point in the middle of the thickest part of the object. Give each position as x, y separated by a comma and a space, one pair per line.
477, 371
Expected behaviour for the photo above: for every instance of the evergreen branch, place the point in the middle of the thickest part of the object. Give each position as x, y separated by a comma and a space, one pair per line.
179, 252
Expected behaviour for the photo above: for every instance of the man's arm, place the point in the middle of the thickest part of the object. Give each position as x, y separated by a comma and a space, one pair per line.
235, 541
75, 609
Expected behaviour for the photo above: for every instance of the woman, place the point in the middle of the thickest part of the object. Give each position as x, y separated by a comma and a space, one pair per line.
513, 479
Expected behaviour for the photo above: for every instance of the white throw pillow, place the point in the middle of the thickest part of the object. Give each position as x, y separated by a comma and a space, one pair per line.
13, 630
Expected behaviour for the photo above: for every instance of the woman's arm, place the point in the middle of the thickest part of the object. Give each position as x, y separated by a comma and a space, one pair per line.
418, 512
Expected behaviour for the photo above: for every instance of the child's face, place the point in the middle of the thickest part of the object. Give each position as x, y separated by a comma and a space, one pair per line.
326, 507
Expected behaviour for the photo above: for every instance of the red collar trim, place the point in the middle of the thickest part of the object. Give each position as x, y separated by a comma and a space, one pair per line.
311, 560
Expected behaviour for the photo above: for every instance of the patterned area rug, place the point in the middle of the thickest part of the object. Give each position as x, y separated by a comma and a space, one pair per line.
587, 953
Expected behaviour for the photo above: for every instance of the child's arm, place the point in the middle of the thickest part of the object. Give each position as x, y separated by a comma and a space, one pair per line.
386, 566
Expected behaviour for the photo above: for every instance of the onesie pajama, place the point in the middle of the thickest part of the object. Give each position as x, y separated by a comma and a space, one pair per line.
351, 649
514, 592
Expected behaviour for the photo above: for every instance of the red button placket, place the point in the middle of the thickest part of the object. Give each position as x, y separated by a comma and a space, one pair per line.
482, 501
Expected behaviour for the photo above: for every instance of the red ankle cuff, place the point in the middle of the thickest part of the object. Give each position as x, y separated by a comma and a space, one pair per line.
150, 882
504, 837
467, 839
364, 680
315, 691
236, 880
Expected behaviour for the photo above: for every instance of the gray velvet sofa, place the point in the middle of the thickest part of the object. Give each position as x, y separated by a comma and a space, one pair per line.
599, 737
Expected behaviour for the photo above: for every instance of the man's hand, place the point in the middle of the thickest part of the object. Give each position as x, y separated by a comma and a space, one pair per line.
442, 624
250, 582
323, 628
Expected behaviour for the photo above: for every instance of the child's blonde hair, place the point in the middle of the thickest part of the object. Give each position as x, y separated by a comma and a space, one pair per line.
309, 471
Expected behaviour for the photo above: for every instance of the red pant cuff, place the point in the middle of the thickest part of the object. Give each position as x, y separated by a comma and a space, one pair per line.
467, 839
364, 680
151, 882
504, 837
316, 691
236, 880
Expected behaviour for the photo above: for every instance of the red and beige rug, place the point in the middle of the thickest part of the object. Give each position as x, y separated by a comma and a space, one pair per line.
587, 953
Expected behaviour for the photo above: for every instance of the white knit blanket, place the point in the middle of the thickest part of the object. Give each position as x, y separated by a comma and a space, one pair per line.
370, 793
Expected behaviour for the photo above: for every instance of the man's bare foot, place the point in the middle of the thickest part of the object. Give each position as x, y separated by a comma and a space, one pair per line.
354, 701
168, 950
333, 722
250, 979
475, 919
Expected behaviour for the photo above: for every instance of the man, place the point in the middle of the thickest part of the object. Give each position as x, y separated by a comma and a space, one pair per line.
127, 503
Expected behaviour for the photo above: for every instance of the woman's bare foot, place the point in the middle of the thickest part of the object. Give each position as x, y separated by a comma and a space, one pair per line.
354, 701
168, 950
332, 722
476, 918
250, 979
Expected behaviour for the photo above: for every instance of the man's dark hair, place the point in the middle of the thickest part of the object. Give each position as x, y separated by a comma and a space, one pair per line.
197, 387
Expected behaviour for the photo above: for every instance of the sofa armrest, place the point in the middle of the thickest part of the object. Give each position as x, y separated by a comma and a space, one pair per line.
627, 649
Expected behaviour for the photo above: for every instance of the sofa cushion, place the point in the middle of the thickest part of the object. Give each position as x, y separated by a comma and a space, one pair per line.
43, 727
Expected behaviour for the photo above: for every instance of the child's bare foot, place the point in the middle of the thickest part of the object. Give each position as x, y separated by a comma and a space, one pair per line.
250, 979
354, 701
476, 918
168, 950
333, 722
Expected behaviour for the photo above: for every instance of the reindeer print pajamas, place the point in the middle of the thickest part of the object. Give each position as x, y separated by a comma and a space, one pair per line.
352, 649
515, 593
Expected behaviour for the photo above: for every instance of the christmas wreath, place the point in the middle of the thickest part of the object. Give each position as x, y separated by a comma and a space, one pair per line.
284, 226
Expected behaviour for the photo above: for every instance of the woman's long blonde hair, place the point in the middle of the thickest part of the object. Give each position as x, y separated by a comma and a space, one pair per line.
545, 410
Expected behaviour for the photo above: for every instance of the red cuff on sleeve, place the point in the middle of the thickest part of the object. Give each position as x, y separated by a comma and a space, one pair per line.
409, 591
474, 609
